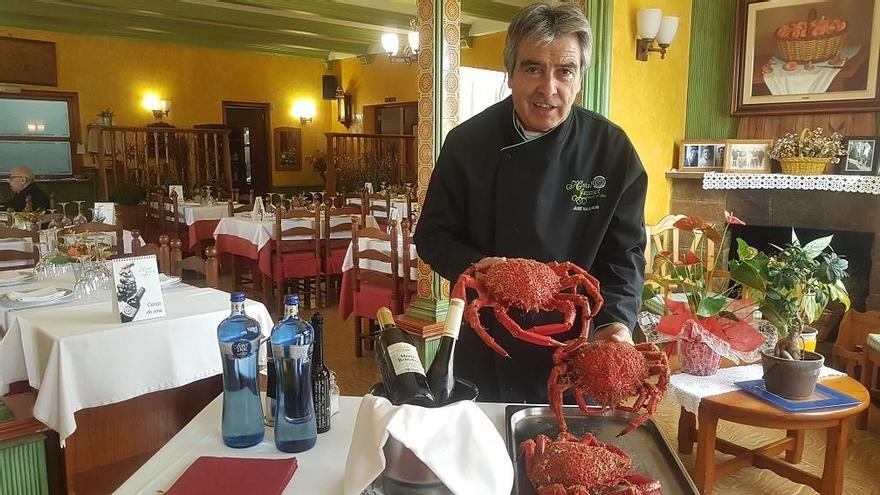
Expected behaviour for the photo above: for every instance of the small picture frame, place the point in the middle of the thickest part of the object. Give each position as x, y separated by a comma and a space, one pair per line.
862, 156
747, 156
701, 155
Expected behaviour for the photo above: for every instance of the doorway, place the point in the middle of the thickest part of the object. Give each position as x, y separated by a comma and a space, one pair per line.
249, 145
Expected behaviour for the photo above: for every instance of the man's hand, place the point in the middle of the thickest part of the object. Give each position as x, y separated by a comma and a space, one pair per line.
615, 332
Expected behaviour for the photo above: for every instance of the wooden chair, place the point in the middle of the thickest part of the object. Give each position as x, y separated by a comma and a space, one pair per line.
409, 262
665, 237
848, 353
162, 251
207, 266
298, 259
23, 256
378, 205
337, 239
101, 227
412, 200
238, 209
373, 289
159, 218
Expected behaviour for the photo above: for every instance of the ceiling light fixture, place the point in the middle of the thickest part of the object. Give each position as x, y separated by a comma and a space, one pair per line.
391, 45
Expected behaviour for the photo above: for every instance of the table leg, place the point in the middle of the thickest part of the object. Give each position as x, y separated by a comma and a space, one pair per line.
795, 454
835, 457
268, 288
687, 427
704, 467
869, 371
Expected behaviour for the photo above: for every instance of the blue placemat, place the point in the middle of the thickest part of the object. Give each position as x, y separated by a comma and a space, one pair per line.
824, 397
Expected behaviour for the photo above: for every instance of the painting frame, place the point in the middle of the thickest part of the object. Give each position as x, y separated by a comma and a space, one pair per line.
288, 149
847, 164
691, 151
734, 165
749, 72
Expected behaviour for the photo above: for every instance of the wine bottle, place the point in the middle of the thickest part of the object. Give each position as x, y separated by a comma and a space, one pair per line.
239, 339
128, 309
402, 372
292, 347
440, 376
320, 377
271, 387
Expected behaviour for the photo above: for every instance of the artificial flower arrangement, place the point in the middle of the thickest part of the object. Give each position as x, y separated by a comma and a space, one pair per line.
807, 153
707, 324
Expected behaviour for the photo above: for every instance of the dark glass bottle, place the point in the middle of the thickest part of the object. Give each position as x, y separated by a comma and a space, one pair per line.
441, 379
402, 372
320, 377
128, 308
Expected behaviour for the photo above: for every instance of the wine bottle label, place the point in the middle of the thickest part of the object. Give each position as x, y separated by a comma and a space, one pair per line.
405, 359
321, 393
280, 351
239, 349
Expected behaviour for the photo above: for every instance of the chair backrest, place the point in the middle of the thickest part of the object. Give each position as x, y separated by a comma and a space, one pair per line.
382, 248
379, 202
19, 252
339, 226
237, 209
852, 337
101, 227
412, 201
307, 232
409, 262
207, 266
664, 236
162, 214
162, 251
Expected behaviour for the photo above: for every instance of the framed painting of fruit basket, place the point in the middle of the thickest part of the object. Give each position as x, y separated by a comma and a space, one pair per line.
806, 56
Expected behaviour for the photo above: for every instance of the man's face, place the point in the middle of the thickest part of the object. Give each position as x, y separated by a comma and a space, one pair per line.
17, 183
545, 82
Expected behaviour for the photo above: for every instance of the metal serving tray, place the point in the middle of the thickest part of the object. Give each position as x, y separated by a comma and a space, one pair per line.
651, 453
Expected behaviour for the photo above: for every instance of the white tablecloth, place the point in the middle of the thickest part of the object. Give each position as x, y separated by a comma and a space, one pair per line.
689, 390
79, 356
320, 472
47, 243
399, 210
259, 232
380, 266
191, 212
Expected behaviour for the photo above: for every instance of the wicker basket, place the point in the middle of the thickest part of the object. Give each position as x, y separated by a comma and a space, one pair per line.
804, 165
810, 50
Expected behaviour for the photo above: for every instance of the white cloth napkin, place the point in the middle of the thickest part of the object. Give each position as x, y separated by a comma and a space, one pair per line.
44, 294
458, 442
165, 280
689, 390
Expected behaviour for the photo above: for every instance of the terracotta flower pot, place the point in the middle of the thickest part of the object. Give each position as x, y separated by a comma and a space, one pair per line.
698, 358
792, 379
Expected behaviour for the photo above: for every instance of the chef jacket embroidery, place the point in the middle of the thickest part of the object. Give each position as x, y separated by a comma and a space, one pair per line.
586, 196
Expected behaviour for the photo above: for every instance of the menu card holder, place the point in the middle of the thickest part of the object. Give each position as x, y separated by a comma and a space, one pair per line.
257, 212
179, 190
137, 291
234, 476
104, 213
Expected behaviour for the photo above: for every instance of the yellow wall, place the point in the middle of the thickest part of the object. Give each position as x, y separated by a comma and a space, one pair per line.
372, 83
648, 99
114, 73
486, 52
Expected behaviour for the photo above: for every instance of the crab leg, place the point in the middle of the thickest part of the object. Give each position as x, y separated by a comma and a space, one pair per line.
583, 302
568, 311
642, 484
517, 331
472, 311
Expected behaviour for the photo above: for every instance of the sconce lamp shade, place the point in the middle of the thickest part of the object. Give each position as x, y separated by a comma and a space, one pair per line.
305, 110
648, 23
668, 28
390, 43
413, 38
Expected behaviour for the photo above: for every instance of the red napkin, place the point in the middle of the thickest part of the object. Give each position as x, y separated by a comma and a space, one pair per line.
234, 476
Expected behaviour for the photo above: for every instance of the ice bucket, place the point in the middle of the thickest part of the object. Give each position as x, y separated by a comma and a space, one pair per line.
404, 472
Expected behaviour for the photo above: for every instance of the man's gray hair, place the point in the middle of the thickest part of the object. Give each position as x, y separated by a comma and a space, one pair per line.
542, 23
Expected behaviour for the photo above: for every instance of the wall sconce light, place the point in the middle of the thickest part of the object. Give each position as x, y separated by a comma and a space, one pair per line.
160, 108
304, 110
654, 26
343, 107
391, 44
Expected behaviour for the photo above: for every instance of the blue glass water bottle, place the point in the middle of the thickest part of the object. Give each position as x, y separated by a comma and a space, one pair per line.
239, 338
292, 340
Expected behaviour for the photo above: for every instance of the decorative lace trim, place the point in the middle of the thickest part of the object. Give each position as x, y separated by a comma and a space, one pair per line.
866, 184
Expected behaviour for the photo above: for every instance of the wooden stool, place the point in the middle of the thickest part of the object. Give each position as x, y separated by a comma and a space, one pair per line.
743, 408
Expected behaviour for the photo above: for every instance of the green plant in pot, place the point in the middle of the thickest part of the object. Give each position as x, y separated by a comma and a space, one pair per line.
791, 289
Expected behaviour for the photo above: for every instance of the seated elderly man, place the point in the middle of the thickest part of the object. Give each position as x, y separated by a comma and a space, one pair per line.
21, 182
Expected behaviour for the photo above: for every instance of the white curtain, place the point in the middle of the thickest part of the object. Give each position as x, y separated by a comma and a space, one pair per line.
480, 89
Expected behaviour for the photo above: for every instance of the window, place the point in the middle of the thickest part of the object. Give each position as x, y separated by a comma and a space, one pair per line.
39, 130
480, 89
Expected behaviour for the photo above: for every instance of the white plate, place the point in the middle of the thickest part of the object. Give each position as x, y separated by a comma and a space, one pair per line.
46, 302
166, 281
23, 276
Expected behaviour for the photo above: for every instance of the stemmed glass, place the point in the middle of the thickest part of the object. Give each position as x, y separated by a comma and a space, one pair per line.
95, 277
281, 207
65, 221
53, 220
209, 200
269, 206
80, 218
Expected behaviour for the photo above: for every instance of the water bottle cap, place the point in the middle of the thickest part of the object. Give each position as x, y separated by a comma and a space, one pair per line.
237, 297
291, 299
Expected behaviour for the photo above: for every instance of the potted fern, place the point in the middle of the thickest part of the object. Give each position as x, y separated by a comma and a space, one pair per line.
791, 289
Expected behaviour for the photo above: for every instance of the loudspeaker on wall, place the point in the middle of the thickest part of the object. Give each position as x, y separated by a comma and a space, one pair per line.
328, 86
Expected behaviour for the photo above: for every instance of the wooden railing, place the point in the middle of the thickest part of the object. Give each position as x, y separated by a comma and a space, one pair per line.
357, 158
149, 156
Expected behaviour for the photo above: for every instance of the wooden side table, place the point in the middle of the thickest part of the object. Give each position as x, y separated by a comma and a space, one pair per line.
743, 408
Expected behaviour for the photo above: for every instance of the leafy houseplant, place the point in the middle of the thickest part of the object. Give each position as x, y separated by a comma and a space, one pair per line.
792, 287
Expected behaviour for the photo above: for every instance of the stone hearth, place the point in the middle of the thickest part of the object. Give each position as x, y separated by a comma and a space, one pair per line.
820, 210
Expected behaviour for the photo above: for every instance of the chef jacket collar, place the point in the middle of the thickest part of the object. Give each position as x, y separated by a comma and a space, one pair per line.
528, 136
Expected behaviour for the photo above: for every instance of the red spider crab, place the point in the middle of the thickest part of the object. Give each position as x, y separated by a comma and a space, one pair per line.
530, 286
572, 466
608, 372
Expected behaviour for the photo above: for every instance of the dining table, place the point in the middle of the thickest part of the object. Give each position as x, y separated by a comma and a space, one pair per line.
48, 242
201, 219
399, 208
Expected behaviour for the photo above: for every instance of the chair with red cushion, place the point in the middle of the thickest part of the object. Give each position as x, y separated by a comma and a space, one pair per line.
372, 288
297, 257
336, 231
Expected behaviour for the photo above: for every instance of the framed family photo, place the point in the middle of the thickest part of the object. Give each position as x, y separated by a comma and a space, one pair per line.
862, 156
701, 156
806, 56
747, 156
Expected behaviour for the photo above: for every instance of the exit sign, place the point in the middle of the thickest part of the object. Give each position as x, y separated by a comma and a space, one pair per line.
391, 99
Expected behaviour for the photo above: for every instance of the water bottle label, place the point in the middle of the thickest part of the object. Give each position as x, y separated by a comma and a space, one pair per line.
292, 351
239, 349
405, 359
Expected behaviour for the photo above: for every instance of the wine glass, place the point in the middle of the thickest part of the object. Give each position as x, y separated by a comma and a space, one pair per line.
209, 200
281, 206
65, 221
53, 220
95, 278
269, 206
80, 218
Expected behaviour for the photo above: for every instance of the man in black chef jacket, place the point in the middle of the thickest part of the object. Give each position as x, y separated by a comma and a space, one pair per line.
535, 177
